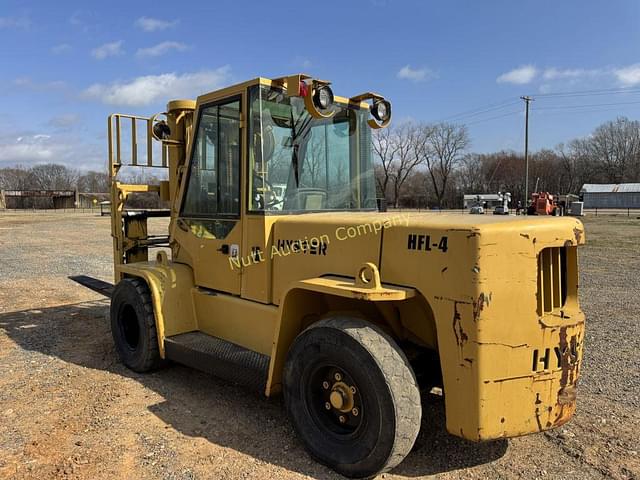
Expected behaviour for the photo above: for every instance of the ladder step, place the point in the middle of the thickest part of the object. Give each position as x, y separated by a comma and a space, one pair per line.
220, 358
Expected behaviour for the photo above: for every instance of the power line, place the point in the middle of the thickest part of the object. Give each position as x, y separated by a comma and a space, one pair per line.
571, 112
482, 120
587, 93
585, 105
496, 106
481, 110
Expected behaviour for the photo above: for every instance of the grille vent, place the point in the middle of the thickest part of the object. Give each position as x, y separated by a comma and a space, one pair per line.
552, 279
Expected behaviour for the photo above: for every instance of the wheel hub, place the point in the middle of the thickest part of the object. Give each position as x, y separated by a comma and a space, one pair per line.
341, 397
338, 399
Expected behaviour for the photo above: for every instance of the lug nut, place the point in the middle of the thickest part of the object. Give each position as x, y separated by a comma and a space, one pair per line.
353, 389
355, 412
325, 385
338, 377
327, 405
342, 419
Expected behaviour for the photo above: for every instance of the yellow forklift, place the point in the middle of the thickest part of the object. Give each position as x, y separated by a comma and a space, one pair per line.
278, 272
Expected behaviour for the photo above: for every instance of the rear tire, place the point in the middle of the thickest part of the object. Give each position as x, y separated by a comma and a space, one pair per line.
364, 433
133, 325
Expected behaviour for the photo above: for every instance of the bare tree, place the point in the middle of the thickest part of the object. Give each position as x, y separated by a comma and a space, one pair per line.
471, 177
94, 182
442, 153
385, 150
407, 139
51, 176
14, 178
616, 144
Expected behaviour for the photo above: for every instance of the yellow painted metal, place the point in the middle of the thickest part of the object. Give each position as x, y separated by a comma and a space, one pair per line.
495, 297
344, 287
484, 300
250, 324
256, 276
170, 285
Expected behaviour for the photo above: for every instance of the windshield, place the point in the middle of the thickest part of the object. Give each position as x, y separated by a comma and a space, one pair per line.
300, 163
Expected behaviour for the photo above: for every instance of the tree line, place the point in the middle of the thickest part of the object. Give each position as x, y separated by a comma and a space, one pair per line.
52, 176
430, 165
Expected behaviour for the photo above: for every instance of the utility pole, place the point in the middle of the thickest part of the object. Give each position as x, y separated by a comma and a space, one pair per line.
527, 100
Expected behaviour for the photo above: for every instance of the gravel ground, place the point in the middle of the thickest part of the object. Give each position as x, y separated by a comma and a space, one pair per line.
69, 410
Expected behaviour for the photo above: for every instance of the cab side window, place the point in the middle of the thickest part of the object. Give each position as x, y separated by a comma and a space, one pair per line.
213, 190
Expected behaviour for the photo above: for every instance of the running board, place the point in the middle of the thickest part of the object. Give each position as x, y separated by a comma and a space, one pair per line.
98, 286
220, 358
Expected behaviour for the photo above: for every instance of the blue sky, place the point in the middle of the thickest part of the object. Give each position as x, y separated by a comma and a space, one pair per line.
66, 65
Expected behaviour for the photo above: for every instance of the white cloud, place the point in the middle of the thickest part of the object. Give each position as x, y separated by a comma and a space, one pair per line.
15, 22
519, 76
29, 148
157, 88
571, 73
148, 24
628, 76
61, 48
415, 74
161, 49
108, 50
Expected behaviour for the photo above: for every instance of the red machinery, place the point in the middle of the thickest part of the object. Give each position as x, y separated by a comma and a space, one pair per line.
543, 203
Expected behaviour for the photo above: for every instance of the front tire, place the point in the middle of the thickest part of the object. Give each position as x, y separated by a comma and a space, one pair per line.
352, 396
133, 325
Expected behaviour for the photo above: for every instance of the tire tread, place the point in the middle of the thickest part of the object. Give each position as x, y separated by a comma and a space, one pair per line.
398, 375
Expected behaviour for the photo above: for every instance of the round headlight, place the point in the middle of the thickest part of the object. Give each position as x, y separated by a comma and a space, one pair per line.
161, 130
381, 110
323, 97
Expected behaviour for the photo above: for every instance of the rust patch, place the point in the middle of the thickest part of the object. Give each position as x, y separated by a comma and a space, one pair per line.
525, 235
461, 336
478, 305
565, 414
578, 234
568, 358
567, 395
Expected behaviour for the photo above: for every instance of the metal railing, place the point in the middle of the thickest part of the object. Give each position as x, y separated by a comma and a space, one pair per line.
115, 131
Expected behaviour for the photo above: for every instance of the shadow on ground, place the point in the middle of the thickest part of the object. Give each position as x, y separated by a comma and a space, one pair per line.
199, 405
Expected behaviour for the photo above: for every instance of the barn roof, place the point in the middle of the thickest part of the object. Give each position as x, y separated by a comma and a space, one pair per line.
611, 188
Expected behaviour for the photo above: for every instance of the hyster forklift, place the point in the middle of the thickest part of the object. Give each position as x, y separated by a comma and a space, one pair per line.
311, 292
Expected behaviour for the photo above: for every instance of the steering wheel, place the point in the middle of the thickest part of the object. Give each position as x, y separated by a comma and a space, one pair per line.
267, 198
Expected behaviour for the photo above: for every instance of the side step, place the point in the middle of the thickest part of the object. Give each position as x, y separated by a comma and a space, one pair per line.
220, 358
99, 286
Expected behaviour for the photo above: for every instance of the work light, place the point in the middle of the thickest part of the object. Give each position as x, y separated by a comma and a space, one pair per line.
323, 97
161, 130
381, 110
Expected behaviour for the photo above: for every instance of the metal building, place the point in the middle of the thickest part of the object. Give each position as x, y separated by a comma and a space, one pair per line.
611, 195
37, 199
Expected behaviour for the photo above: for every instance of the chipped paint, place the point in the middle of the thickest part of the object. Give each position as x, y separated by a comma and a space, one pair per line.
578, 234
461, 336
478, 305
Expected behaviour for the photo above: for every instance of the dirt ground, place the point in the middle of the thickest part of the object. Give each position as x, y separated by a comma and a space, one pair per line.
69, 409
